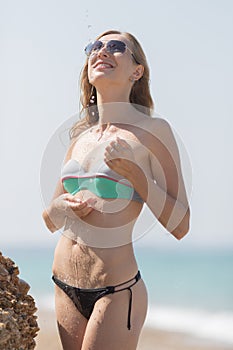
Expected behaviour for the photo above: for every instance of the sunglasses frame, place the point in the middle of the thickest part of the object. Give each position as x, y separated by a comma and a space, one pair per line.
108, 49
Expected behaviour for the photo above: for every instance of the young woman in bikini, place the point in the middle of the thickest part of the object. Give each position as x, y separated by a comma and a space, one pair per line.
119, 158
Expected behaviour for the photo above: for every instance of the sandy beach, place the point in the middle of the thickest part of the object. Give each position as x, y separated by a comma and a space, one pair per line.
150, 339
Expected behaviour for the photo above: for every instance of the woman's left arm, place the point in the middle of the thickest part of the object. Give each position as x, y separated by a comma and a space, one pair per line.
163, 190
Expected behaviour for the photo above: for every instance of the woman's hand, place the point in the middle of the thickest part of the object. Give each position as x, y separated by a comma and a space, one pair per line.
119, 157
66, 205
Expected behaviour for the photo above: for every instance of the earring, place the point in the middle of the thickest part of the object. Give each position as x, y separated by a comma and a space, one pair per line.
92, 107
92, 98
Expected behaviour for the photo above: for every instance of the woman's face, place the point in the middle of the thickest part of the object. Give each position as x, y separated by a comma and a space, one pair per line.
116, 68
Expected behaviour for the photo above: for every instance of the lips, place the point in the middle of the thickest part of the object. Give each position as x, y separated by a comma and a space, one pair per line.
102, 64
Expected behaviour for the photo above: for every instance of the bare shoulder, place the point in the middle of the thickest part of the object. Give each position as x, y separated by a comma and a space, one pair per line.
157, 126
158, 133
162, 143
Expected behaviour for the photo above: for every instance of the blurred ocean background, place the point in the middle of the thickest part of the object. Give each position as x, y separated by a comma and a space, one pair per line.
189, 290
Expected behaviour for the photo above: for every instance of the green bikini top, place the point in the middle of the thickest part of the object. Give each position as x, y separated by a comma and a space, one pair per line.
105, 183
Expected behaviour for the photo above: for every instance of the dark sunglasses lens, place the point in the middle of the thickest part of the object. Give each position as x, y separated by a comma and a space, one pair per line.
112, 47
116, 46
92, 47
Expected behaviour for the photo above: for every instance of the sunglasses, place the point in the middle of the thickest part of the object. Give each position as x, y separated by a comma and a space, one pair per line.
112, 47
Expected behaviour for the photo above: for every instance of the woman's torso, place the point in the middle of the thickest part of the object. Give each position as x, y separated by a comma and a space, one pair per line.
97, 250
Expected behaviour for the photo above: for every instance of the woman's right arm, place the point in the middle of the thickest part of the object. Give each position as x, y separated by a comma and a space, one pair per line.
53, 217
65, 205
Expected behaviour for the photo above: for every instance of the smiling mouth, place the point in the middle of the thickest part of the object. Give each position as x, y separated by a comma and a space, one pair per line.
103, 65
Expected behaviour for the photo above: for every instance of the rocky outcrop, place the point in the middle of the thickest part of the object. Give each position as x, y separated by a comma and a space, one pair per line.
18, 324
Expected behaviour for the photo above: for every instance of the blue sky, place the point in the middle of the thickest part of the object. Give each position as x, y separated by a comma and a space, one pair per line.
190, 53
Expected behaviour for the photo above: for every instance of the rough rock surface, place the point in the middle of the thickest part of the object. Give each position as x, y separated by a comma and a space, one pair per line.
18, 324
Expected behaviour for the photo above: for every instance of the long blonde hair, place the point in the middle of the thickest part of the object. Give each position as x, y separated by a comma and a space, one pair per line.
140, 95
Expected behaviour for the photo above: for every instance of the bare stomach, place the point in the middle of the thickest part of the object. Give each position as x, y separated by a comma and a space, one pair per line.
97, 251
87, 267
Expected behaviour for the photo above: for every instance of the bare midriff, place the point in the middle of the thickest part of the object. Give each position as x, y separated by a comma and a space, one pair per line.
97, 250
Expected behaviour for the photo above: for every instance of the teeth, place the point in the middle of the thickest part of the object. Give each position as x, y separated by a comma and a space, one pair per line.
104, 65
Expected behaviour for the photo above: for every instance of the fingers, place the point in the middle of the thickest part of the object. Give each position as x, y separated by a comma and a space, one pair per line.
114, 148
117, 149
80, 208
111, 150
119, 144
70, 198
72, 205
123, 143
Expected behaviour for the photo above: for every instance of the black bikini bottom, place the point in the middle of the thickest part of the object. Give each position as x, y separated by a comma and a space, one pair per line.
85, 299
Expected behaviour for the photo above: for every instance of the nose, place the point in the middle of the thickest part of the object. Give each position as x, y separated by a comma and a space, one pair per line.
103, 52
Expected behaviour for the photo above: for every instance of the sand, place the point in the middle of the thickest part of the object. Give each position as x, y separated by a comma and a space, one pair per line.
150, 339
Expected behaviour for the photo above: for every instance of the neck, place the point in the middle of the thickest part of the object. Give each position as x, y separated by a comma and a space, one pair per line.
116, 112
113, 106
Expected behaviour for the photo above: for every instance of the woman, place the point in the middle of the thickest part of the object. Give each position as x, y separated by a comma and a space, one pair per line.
118, 159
